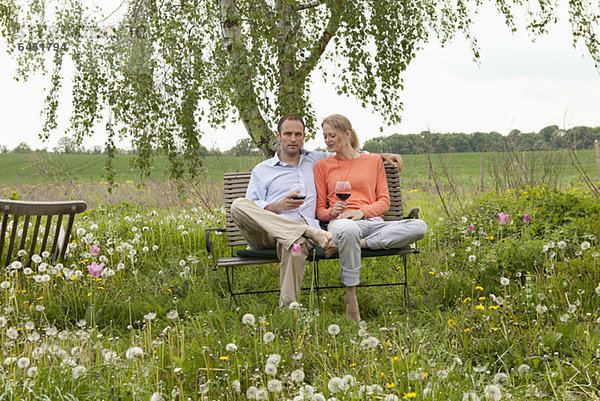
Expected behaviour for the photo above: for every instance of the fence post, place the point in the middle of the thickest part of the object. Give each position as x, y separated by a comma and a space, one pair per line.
597, 159
481, 171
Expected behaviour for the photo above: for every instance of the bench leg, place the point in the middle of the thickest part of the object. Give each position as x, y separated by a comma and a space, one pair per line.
406, 294
230, 284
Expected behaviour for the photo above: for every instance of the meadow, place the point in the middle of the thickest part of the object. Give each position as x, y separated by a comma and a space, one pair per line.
505, 305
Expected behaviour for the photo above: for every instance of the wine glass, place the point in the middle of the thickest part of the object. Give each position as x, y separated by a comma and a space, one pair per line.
299, 187
343, 190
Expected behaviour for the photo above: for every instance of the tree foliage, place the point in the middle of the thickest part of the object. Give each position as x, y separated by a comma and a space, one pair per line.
167, 69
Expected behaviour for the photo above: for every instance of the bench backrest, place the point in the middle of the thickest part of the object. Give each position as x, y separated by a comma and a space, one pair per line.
235, 185
46, 232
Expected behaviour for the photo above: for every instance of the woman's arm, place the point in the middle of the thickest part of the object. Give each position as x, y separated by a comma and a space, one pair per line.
382, 197
320, 173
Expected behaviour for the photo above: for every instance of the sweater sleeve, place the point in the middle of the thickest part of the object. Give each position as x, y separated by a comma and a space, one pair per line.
321, 186
382, 196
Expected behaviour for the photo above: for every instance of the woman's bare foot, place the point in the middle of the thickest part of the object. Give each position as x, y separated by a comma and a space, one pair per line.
352, 311
331, 250
321, 237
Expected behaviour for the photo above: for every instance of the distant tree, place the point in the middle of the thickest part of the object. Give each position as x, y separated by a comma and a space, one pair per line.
3, 149
67, 145
23, 147
244, 147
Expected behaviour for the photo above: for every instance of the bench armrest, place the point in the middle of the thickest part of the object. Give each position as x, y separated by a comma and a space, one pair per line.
209, 243
413, 214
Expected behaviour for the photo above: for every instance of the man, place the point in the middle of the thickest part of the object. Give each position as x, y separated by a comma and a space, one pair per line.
273, 216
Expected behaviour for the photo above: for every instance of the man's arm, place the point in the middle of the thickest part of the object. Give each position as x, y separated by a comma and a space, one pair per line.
393, 159
257, 192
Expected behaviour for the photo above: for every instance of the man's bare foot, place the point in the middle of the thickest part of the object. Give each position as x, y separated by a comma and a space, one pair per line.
352, 311
331, 250
321, 237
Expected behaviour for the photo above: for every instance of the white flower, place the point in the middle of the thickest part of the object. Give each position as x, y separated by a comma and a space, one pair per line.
36, 259
294, 305
29, 325
523, 369
32, 371
472, 258
363, 324
27, 271
369, 342
78, 371
3, 321
249, 320
156, 397
362, 332
504, 281
251, 392
492, 392
149, 316
541, 308
391, 397
564, 317
585, 245
23, 363
172, 314
274, 386
268, 337
470, 396
274, 359
12, 333
5, 284
317, 397
10, 360
335, 385
551, 244
349, 380
500, 378
561, 244
236, 385
134, 352
334, 329
298, 375
231, 347
16, 265
598, 290
271, 369
110, 356
80, 232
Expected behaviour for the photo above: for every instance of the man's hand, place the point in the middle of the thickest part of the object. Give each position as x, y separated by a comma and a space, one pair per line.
393, 159
352, 215
338, 208
286, 203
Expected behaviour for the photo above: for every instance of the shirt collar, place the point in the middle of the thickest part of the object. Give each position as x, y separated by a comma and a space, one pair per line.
275, 159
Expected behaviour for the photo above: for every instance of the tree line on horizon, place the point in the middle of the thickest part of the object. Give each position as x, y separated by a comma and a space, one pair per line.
548, 138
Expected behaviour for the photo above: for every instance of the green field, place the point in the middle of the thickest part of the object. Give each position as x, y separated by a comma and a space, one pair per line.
32, 169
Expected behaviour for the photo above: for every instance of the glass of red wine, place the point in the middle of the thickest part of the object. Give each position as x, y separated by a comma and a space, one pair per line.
343, 190
301, 191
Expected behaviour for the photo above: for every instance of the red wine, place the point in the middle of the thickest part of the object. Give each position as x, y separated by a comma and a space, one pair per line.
342, 196
299, 197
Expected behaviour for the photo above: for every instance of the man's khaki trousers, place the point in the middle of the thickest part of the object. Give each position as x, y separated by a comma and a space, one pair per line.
267, 230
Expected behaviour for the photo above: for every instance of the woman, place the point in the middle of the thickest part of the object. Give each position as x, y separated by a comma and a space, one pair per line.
357, 222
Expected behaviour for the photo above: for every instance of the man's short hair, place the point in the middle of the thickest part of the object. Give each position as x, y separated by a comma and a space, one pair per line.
293, 117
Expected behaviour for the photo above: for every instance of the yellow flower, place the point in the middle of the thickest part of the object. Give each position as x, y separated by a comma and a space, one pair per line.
432, 273
353, 364
39, 298
467, 330
467, 299
382, 374
391, 385
25, 302
480, 307
409, 395
265, 323
224, 358
494, 307
388, 342
479, 288
396, 358
89, 294
100, 288
451, 323
481, 298
128, 182
73, 277
494, 329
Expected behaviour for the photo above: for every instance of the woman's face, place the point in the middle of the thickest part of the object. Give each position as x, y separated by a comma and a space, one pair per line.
335, 140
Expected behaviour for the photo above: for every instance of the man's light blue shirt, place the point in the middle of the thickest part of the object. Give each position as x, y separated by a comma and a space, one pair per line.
272, 180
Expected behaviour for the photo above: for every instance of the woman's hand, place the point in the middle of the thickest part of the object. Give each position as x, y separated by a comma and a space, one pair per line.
352, 215
338, 208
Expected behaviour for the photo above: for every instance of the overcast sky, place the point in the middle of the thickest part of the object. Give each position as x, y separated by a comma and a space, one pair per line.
517, 85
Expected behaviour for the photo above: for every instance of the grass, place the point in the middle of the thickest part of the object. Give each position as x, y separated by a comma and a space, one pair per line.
156, 325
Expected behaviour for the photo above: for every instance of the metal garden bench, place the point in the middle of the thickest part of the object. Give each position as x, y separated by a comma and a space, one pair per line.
235, 185
48, 234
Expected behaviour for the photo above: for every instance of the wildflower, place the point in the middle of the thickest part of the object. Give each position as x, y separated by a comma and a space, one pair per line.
134, 352
251, 392
561, 244
523, 369
268, 337
172, 314
149, 316
541, 308
248, 319
32, 371
12, 333
224, 358
412, 394
5, 284
467, 299
335, 385
391, 397
472, 258
274, 359
598, 290
294, 305
503, 218
479, 288
334, 329
110, 356
296, 250
492, 392
274, 386
236, 385
95, 269
480, 307
451, 323
157, 397
369, 342
471, 227
585, 245
298, 375
231, 347
271, 369
470, 396
16, 265
94, 250
23, 363
551, 245
78, 371
500, 378
504, 281
526, 218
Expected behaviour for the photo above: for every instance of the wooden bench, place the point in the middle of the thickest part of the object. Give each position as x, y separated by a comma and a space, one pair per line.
235, 185
54, 233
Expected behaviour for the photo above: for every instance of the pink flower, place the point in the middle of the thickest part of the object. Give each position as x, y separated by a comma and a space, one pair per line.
94, 250
471, 227
96, 269
296, 250
526, 218
502, 218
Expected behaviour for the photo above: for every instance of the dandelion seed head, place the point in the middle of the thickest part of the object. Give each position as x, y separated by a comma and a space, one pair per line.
333, 329
134, 352
492, 392
231, 347
78, 371
298, 375
23, 363
248, 319
271, 369
268, 337
274, 386
523, 369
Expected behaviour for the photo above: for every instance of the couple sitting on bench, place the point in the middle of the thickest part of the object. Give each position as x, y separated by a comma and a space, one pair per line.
288, 192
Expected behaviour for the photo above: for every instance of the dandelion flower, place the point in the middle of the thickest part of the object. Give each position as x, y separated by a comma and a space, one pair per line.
251, 392
157, 397
335, 385
333, 329
32, 371
492, 392
598, 290
23, 363
504, 281
523, 369
274, 359
541, 308
470, 396
274, 386
12, 333
231, 347
294, 305
236, 385
78, 371
134, 352
16, 265
149, 316
172, 314
369, 342
472, 258
500, 378
585, 245
268, 337
391, 397
271, 369
298, 375
561, 244
249, 320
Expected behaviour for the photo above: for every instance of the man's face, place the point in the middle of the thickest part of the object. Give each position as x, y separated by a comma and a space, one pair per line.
291, 137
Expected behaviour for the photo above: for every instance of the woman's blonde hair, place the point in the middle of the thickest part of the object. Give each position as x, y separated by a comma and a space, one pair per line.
341, 123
